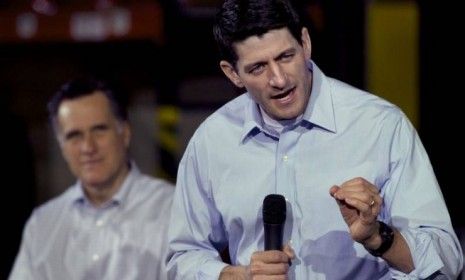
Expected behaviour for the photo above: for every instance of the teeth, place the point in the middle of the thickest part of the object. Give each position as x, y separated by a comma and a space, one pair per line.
282, 95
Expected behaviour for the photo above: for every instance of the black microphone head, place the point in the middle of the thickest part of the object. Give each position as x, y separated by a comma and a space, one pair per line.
274, 209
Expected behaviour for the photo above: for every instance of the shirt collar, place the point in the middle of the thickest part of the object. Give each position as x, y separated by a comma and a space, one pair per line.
252, 119
319, 111
320, 108
119, 198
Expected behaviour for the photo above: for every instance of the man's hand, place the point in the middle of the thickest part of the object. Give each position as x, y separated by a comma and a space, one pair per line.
360, 204
272, 264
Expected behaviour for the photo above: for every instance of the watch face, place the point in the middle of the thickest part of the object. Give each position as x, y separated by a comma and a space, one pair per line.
386, 233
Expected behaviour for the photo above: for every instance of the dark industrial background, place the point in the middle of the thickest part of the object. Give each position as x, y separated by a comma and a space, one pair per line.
161, 54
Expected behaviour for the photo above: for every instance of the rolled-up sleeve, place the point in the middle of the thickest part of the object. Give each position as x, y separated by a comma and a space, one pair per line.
418, 210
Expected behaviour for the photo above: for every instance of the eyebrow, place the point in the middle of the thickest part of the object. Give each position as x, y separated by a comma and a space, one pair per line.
75, 132
248, 67
72, 133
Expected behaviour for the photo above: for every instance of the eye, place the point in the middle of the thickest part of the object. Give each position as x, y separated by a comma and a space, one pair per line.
257, 69
286, 56
101, 127
72, 135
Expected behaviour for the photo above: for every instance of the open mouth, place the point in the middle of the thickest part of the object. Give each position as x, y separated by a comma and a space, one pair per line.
286, 97
284, 94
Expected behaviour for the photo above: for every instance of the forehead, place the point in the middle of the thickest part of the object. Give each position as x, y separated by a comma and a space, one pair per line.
84, 110
259, 47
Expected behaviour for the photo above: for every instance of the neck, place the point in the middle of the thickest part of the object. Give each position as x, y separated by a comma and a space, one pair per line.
277, 125
102, 193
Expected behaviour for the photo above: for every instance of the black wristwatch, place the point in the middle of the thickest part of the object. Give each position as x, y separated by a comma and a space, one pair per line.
387, 238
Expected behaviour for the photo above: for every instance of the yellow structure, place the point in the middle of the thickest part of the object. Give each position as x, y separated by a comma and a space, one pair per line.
392, 53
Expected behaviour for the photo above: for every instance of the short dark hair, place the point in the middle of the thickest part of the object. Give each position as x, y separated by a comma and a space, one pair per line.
240, 19
80, 87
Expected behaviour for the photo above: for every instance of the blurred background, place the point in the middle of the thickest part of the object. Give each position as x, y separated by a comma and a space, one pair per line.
162, 55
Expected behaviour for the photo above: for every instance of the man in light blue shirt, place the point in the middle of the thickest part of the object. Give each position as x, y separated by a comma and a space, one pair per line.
362, 199
112, 223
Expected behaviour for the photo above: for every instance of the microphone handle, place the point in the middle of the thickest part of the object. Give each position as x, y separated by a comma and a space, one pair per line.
273, 236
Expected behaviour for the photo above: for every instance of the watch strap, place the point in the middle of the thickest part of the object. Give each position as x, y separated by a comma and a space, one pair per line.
387, 238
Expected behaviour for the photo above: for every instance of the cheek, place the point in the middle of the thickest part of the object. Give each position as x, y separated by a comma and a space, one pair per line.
113, 147
256, 87
72, 160
70, 150
70, 155
301, 69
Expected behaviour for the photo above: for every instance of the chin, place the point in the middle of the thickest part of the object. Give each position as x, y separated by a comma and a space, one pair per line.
92, 179
288, 116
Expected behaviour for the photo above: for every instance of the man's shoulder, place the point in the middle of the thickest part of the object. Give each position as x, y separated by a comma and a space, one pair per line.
232, 107
60, 200
355, 98
149, 192
153, 185
50, 211
229, 116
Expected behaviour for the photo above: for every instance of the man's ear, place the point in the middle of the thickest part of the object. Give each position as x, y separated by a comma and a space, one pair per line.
231, 73
306, 43
126, 134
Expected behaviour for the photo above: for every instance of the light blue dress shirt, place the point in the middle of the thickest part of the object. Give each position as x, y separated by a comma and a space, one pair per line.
67, 238
232, 162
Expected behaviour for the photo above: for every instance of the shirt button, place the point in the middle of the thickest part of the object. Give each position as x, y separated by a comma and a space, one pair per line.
99, 223
95, 257
285, 158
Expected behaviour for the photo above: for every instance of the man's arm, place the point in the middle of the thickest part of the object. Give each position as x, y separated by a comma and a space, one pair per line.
196, 232
360, 204
22, 268
411, 203
398, 255
415, 206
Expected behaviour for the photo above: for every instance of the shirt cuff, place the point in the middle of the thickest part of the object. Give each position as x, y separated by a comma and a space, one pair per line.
425, 257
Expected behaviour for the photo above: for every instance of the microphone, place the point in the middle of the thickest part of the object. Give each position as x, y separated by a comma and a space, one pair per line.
274, 215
